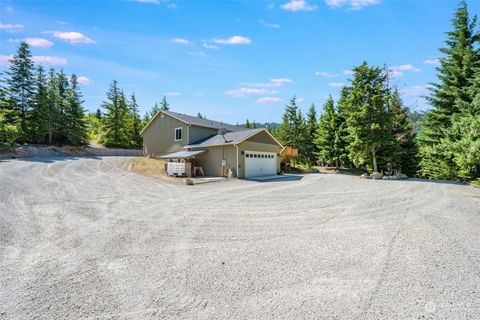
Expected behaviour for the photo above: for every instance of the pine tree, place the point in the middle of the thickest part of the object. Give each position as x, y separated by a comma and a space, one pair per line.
164, 105
450, 96
61, 108
76, 129
292, 131
8, 132
369, 121
116, 120
311, 150
98, 114
137, 140
328, 137
247, 124
53, 100
21, 89
254, 125
39, 123
406, 150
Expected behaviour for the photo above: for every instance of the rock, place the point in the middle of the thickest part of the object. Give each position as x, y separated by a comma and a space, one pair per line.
402, 176
376, 175
365, 176
189, 182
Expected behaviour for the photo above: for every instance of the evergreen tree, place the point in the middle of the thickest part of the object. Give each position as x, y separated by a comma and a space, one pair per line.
98, 114
164, 105
53, 100
369, 121
405, 151
116, 120
254, 125
21, 89
292, 130
311, 150
137, 140
61, 120
328, 137
39, 123
450, 96
76, 128
247, 124
199, 115
8, 132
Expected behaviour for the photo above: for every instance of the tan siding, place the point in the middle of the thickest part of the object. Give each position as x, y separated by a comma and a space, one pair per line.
211, 161
198, 133
254, 146
159, 137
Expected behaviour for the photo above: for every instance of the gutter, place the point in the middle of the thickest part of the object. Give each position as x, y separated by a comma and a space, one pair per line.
238, 172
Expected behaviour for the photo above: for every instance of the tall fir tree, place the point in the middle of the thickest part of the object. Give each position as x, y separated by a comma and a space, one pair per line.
76, 129
311, 150
164, 105
116, 120
136, 123
369, 121
328, 140
61, 106
450, 95
39, 123
53, 101
21, 89
292, 131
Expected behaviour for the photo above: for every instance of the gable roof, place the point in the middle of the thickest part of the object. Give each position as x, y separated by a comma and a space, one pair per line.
196, 121
229, 138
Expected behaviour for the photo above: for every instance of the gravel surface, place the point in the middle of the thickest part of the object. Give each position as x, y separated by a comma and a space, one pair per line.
86, 239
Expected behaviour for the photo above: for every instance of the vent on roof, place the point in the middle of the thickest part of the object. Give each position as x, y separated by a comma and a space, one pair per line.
222, 131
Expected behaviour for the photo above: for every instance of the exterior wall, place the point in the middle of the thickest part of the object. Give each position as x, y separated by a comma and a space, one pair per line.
261, 142
159, 137
199, 133
211, 161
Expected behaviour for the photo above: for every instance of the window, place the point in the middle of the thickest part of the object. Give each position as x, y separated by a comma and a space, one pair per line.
178, 134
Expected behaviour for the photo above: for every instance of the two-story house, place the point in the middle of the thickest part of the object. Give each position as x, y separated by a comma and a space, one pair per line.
215, 146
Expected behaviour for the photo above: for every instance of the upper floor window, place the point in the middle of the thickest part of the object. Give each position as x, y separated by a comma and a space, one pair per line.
178, 134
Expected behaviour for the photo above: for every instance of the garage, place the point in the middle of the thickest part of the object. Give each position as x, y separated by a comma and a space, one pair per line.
259, 164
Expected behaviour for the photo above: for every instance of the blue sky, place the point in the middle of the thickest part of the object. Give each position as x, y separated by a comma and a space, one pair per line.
230, 60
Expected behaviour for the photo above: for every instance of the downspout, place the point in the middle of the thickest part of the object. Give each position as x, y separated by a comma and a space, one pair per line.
188, 133
238, 172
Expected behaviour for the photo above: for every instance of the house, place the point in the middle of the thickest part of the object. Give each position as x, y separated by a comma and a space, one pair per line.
215, 146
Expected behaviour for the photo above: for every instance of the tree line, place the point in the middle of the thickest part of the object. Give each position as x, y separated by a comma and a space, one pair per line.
370, 128
47, 108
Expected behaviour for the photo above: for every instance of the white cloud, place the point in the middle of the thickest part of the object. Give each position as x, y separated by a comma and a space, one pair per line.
405, 67
433, 62
325, 74
210, 46
84, 80
352, 4
149, 1
233, 40
49, 60
347, 72
10, 9
273, 83
34, 42
11, 27
181, 41
247, 91
270, 25
61, 22
269, 100
171, 6
73, 37
336, 84
415, 91
4, 59
197, 53
172, 94
298, 5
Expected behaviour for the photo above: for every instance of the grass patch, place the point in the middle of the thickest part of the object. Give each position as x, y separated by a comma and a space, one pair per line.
149, 167
475, 183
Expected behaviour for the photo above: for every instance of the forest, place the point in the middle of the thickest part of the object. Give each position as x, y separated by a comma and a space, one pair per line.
368, 128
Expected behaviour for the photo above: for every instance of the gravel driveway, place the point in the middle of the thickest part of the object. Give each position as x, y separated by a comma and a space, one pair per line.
86, 239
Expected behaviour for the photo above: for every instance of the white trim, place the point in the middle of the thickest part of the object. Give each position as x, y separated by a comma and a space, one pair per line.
237, 173
175, 134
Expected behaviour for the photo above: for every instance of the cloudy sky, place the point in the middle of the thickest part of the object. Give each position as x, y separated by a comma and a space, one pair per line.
230, 60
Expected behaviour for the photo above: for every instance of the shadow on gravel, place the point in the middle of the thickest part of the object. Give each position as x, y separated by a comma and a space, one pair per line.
283, 178
50, 159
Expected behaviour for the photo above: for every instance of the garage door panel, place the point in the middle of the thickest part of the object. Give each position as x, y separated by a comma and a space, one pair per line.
259, 164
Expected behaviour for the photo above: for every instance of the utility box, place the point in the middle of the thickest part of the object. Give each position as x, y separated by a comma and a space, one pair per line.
179, 169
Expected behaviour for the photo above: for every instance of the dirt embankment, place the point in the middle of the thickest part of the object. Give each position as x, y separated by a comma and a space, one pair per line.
29, 151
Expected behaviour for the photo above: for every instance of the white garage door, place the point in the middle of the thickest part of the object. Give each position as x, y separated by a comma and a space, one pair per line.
259, 164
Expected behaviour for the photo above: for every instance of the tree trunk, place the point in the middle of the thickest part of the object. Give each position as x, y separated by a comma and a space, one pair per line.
374, 157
